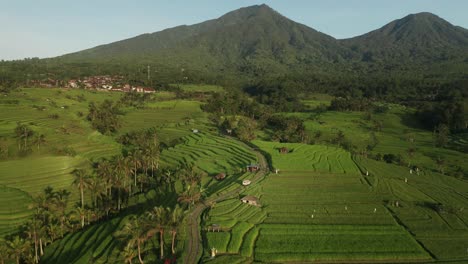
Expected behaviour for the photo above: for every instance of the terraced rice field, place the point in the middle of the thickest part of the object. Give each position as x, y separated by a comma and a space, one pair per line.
14, 209
315, 158
210, 153
315, 209
432, 206
98, 244
25, 178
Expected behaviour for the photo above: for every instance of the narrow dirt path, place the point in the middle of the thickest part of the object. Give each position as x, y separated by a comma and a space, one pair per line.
195, 244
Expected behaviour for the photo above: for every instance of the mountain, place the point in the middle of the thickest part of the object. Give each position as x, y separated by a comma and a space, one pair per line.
422, 37
256, 42
252, 39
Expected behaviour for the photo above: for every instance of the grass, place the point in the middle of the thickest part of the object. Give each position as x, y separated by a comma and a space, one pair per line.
14, 209
320, 207
303, 157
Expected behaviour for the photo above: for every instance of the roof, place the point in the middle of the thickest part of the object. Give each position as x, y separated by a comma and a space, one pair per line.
253, 165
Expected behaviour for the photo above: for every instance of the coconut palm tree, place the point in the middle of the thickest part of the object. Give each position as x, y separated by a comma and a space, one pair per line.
80, 213
159, 218
129, 254
97, 189
105, 172
18, 248
81, 181
191, 195
60, 208
175, 218
34, 231
39, 140
135, 232
3, 252
136, 159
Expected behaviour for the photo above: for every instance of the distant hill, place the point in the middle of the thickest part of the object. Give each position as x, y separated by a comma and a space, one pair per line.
256, 42
254, 39
414, 38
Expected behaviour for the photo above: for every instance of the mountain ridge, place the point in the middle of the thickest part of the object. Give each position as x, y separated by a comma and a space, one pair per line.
257, 42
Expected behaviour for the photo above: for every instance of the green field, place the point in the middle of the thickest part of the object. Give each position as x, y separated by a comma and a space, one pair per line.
337, 213
325, 204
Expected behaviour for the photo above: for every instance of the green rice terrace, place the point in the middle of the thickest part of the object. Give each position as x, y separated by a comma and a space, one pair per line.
179, 182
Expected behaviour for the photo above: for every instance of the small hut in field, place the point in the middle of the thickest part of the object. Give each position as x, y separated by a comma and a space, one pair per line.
284, 150
253, 167
246, 182
220, 176
251, 200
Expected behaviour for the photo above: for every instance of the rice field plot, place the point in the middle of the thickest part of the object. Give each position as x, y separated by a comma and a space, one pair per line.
210, 153
331, 243
28, 177
160, 114
318, 215
39, 173
14, 209
432, 206
315, 158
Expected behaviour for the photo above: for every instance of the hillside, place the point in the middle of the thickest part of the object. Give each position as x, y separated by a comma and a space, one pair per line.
257, 43
416, 37
255, 38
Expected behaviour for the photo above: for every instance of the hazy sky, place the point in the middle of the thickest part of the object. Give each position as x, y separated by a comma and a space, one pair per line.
47, 28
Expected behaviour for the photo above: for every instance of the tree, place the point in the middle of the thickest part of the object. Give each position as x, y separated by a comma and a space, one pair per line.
81, 181
23, 133
3, 252
245, 130
175, 218
104, 117
159, 216
191, 195
441, 134
129, 254
18, 248
39, 140
35, 228
135, 232
80, 212
440, 164
97, 189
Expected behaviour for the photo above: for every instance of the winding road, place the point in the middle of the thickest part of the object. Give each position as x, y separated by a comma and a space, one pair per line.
194, 246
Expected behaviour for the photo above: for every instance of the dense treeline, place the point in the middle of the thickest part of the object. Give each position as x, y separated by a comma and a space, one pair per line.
104, 117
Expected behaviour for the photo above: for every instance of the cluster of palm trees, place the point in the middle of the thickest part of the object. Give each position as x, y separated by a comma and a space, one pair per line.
26, 137
137, 230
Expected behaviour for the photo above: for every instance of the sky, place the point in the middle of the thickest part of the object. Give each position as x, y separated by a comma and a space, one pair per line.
49, 28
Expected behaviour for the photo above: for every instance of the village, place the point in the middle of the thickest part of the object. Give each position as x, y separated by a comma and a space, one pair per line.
113, 83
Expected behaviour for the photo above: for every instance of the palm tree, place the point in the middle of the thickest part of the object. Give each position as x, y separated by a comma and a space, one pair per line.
97, 189
81, 181
39, 140
175, 218
104, 170
18, 248
191, 195
160, 217
81, 213
134, 231
136, 159
60, 208
3, 252
34, 231
129, 254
